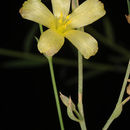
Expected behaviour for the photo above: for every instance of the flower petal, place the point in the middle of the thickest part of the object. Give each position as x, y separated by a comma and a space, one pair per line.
36, 11
61, 7
84, 42
50, 42
87, 13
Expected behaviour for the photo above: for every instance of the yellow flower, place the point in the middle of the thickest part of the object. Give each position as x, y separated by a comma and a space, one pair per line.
61, 25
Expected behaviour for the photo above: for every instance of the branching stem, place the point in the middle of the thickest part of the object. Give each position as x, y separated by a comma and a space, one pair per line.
112, 117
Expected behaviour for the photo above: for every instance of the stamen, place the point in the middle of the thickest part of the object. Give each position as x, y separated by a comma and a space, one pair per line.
68, 22
67, 17
62, 23
61, 18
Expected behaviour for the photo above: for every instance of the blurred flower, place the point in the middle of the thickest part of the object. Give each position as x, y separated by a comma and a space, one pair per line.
61, 25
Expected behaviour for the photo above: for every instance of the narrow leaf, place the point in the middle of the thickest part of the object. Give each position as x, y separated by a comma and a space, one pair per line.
109, 29
20, 64
28, 41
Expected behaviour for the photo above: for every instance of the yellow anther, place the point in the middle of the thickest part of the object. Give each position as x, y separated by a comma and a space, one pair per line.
68, 22
67, 17
62, 23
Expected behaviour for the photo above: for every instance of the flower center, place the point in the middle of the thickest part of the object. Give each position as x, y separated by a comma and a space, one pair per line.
62, 24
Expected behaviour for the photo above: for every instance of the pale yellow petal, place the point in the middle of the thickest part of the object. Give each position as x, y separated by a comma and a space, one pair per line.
60, 7
36, 11
87, 13
50, 42
85, 43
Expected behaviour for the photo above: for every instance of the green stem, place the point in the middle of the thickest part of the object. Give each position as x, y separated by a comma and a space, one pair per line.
80, 73
124, 84
55, 92
75, 3
80, 91
128, 4
112, 117
54, 86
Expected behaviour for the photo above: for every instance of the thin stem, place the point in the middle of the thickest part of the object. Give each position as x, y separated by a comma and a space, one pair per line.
54, 86
75, 3
80, 90
55, 93
112, 117
128, 4
124, 84
126, 100
80, 73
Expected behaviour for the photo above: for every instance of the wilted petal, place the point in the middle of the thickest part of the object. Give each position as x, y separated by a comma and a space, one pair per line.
36, 11
84, 42
61, 7
87, 13
50, 42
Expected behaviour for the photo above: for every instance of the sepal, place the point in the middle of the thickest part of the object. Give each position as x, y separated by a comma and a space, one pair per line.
71, 109
70, 112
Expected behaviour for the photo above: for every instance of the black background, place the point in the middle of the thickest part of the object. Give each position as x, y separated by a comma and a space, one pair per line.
26, 95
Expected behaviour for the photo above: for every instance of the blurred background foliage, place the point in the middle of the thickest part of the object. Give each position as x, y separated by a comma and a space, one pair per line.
26, 91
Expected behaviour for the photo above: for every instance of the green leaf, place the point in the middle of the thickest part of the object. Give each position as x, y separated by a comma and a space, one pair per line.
22, 55
20, 64
109, 31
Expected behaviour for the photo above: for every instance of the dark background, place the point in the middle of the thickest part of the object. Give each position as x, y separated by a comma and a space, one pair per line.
26, 94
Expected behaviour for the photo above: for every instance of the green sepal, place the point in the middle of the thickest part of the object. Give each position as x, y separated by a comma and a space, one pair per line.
36, 38
65, 101
70, 111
